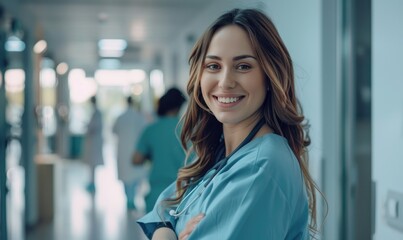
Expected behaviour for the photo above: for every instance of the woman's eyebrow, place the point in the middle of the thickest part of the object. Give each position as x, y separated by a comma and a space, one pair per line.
236, 58
243, 57
213, 57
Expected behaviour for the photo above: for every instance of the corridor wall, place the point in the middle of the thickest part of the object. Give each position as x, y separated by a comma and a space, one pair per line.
387, 113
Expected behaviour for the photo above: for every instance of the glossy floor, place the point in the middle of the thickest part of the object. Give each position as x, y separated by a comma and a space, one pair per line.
77, 214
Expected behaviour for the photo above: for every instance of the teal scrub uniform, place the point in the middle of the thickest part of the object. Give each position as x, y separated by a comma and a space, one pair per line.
160, 143
258, 194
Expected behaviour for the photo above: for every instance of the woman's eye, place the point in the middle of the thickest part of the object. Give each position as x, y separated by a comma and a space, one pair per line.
212, 66
243, 67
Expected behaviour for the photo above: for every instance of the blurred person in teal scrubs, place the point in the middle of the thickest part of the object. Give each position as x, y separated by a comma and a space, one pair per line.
246, 175
159, 142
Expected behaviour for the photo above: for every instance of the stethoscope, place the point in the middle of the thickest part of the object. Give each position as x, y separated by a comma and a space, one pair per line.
216, 168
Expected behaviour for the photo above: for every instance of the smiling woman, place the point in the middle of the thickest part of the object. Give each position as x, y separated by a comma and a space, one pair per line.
232, 83
247, 176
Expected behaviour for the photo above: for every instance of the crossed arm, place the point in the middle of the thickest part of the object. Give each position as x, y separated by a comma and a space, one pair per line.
168, 234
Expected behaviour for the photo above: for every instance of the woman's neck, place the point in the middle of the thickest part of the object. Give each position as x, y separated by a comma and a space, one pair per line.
235, 134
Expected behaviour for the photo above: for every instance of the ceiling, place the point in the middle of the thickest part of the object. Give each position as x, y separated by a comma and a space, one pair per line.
72, 28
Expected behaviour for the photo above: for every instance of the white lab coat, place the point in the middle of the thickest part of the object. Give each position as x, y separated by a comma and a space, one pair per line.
127, 128
93, 145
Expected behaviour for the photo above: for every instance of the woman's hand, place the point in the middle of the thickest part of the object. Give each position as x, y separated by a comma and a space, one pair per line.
164, 233
190, 226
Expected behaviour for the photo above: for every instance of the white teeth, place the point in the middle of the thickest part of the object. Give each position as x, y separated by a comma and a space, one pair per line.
227, 100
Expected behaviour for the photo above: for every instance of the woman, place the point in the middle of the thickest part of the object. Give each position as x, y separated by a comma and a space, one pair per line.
250, 179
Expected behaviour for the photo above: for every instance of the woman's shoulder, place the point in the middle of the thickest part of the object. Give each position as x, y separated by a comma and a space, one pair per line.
272, 149
274, 157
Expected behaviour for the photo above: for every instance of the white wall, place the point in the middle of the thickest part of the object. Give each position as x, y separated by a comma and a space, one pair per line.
299, 24
387, 107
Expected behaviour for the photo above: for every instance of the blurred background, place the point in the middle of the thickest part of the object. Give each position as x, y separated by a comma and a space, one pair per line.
55, 55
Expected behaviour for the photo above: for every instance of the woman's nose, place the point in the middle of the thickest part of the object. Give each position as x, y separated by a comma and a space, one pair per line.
226, 80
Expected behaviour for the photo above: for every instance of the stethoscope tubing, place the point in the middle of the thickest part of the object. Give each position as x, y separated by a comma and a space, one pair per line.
218, 167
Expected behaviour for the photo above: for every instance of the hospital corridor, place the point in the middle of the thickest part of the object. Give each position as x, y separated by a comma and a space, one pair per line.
76, 213
92, 93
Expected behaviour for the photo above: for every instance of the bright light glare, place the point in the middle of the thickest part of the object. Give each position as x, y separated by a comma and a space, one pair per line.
157, 82
81, 87
47, 78
137, 89
77, 73
110, 53
62, 68
15, 80
49, 121
40, 46
82, 205
14, 44
137, 75
119, 77
112, 44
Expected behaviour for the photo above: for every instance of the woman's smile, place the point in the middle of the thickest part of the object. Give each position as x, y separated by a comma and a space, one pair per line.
228, 101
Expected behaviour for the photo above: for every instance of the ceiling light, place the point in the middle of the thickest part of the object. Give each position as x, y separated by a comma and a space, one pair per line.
111, 77
14, 80
81, 89
106, 77
62, 68
14, 44
137, 75
110, 53
112, 44
157, 82
76, 74
40, 46
47, 78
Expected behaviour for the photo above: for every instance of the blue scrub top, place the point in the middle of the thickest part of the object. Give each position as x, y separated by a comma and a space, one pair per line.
259, 194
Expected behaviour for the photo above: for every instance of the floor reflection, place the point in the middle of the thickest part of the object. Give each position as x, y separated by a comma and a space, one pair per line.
15, 202
78, 214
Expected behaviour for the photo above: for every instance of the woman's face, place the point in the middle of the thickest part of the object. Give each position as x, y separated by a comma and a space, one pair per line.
232, 82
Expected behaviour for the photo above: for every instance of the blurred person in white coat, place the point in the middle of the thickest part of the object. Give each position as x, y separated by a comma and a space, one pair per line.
93, 143
127, 129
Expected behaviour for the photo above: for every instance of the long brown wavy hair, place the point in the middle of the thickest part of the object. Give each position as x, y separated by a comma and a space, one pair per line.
281, 110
